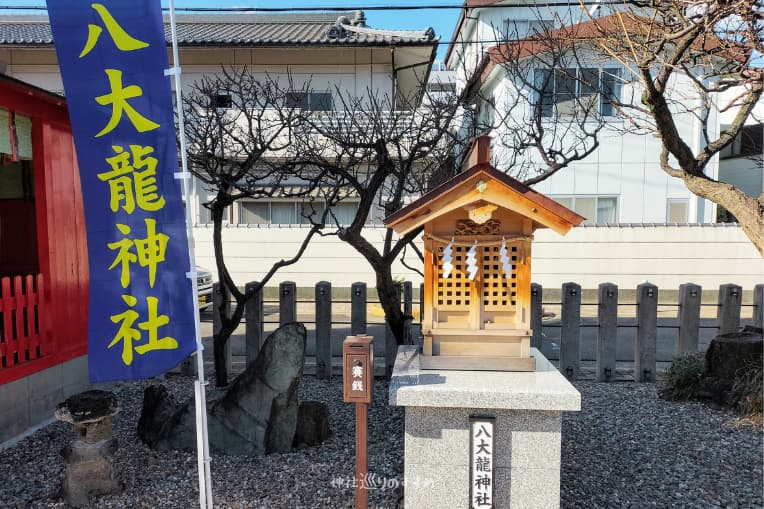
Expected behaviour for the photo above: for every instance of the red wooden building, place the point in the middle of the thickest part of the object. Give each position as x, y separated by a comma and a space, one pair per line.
43, 258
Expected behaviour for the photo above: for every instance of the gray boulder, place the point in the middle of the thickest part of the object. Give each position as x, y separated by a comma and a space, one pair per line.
256, 414
312, 424
732, 375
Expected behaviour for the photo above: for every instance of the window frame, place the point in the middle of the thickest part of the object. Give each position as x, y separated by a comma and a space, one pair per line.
534, 26
597, 197
438, 87
306, 103
222, 100
682, 201
298, 209
747, 143
608, 78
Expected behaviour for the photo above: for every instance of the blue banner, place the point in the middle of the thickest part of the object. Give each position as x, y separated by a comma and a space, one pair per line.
113, 56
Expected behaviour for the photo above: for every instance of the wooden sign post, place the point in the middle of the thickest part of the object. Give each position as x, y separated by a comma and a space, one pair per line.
357, 385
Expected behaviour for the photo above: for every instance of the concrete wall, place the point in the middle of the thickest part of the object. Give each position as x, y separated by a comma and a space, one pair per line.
666, 255
29, 401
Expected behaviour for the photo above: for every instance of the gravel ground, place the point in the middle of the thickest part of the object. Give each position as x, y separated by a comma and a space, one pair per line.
627, 448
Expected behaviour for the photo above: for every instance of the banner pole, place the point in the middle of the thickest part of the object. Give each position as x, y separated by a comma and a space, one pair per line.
200, 400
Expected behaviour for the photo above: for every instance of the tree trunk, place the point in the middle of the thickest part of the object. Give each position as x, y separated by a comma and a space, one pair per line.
228, 322
218, 352
231, 318
732, 361
389, 299
748, 211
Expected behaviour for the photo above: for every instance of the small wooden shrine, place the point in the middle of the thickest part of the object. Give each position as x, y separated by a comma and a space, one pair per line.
478, 229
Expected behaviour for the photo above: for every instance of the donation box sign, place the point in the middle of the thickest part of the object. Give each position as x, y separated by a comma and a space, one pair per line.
113, 58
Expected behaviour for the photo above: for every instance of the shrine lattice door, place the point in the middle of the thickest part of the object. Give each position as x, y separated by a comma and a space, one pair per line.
487, 302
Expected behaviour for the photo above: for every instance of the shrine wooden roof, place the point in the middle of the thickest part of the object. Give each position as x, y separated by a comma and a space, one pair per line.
497, 188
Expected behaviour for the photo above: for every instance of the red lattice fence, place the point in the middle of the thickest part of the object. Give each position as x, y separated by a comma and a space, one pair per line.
22, 338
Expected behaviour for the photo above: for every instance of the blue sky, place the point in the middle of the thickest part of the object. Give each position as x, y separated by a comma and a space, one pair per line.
442, 20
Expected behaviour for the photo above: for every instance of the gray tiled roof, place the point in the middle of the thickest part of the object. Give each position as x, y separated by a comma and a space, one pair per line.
345, 29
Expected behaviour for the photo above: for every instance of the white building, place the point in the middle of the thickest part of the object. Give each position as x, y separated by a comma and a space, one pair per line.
620, 181
337, 53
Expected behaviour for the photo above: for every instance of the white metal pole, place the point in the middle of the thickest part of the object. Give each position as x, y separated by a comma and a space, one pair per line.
200, 400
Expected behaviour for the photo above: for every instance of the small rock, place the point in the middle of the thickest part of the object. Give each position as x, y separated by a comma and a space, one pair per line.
312, 424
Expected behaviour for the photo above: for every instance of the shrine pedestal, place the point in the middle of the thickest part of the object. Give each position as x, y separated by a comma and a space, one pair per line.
526, 411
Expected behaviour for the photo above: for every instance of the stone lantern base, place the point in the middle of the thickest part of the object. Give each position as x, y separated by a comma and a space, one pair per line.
89, 457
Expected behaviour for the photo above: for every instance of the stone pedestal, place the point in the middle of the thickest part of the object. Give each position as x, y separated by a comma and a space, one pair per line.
526, 408
89, 468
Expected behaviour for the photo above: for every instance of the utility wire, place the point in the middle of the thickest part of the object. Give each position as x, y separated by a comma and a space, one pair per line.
560, 3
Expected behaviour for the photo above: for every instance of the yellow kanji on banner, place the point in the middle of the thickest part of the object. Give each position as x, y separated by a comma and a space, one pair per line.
122, 40
132, 180
117, 98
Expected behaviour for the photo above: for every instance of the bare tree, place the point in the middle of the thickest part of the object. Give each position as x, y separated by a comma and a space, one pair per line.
685, 57
375, 154
241, 129
378, 154
385, 154
512, 92
710, 45
657, 64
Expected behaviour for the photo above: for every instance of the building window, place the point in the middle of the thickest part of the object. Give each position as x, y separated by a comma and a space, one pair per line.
205, 215
438, 86
344, 213
677, 210
610, 83
487, 114
292, 212
749, 142
577, 91
18, 215
15, 136
513, 29
254, 212
221, 100
310, 101
596, 209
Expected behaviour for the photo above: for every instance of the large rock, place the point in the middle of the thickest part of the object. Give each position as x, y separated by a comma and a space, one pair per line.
729, 359
727, 353
256, 414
